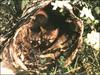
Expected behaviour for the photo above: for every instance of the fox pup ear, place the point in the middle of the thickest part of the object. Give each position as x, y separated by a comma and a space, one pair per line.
42, 12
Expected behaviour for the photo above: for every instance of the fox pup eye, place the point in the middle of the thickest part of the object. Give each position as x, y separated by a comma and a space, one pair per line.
40, 19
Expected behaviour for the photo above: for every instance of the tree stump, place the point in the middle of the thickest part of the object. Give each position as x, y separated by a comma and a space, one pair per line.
42, 39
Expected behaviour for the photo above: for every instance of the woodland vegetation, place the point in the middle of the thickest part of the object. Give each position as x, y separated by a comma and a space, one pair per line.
50, 37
